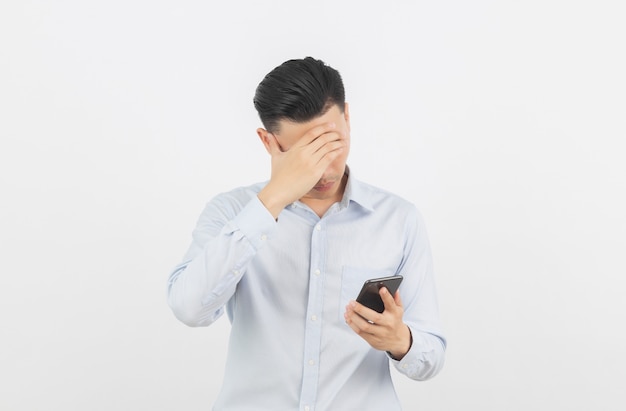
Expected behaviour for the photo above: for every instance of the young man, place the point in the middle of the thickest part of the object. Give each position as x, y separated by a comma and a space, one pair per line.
287, 258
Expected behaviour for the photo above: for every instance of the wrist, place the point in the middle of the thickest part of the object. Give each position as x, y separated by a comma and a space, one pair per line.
271, 201
405, 344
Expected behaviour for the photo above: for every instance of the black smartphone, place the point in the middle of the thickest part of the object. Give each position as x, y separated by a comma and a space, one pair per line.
369, 295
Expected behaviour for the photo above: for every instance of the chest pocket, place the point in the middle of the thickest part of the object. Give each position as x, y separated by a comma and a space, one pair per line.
352, 279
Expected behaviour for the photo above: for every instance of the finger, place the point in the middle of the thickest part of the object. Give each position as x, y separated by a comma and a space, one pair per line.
325, 149
328, 154
388, 299
367, 314
314, 133
358, 323
327, 142
352, 323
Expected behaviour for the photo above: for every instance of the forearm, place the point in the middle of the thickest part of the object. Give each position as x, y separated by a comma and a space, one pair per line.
199, 287
427, 353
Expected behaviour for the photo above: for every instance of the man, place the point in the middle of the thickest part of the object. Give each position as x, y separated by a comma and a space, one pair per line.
286, 258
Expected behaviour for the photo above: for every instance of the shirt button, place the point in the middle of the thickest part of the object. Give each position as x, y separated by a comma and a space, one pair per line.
307, 408
235, 272
311, 362
314, 318
263, 237
405, 366
317, 272
318, 227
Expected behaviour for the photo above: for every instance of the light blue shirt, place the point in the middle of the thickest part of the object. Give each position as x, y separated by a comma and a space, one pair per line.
285, 285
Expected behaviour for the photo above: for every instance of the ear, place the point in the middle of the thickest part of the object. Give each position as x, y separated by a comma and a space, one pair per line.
264, 138
346, 115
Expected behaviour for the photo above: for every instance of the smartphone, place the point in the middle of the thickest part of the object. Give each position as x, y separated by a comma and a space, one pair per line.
369, 295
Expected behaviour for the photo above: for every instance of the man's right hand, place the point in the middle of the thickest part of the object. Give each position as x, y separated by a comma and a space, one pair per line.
296, 170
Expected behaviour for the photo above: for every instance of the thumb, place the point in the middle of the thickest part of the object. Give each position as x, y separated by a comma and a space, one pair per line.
397, 298
388, 299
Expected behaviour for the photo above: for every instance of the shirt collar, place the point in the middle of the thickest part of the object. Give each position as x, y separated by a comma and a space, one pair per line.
356, 191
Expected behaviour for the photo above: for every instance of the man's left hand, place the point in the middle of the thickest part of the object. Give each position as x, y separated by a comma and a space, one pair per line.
384, 331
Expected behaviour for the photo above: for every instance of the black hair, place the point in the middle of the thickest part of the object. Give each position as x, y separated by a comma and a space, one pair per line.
299, 91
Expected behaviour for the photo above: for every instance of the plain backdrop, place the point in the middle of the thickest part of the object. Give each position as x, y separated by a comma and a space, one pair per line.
503, 121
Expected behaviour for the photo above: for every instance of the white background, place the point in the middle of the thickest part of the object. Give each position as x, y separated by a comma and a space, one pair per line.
503, 121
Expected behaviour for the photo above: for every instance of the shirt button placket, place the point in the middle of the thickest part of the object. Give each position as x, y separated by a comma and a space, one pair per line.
313, 327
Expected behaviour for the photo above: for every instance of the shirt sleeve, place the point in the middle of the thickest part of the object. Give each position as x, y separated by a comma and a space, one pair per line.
421, 313
225, 239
